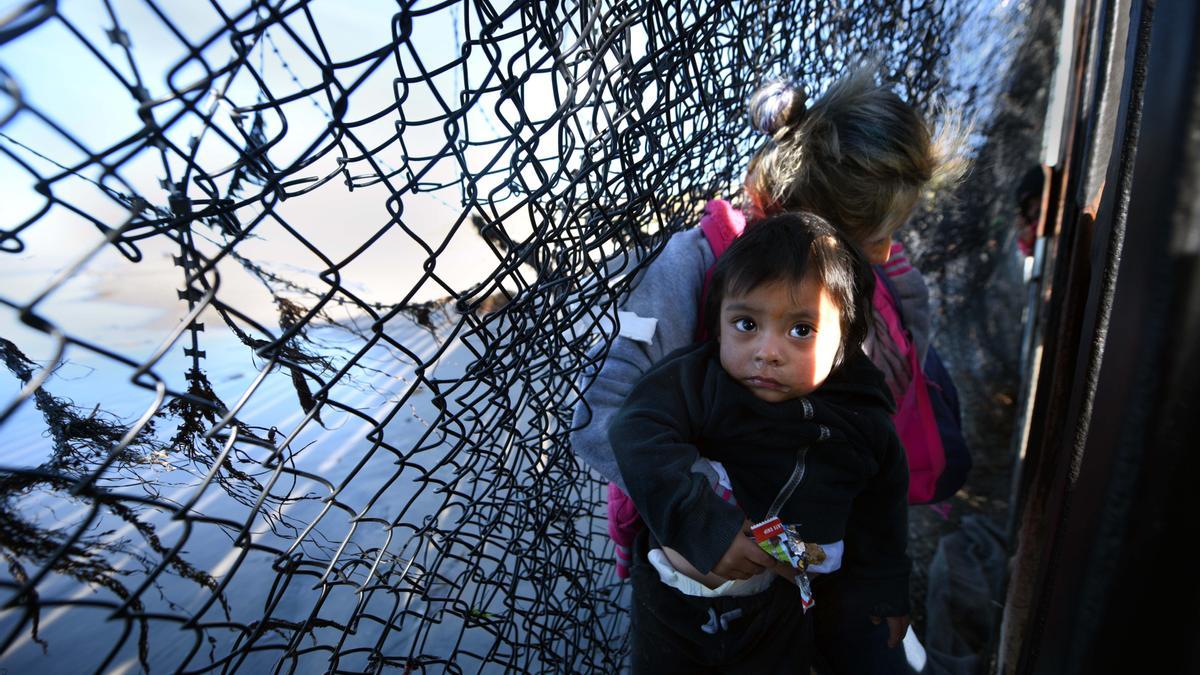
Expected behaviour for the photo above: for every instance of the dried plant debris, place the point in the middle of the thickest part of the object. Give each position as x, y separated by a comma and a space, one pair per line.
85, 442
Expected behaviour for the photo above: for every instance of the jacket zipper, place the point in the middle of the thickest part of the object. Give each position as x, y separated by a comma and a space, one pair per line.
793, 482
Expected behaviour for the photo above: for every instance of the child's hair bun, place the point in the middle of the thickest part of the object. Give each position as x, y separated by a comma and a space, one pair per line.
775, 106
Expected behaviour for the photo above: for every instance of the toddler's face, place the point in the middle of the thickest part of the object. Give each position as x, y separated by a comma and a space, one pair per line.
781, 339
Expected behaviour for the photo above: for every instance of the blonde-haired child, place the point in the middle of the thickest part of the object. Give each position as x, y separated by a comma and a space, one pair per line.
860, 157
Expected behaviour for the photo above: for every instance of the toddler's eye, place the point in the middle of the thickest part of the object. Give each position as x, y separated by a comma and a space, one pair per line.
801, 330
744, 324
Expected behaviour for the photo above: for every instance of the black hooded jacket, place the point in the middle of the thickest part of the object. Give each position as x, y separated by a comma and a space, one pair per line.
855, 483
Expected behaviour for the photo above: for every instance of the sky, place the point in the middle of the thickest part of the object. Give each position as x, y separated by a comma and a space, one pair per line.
59, 77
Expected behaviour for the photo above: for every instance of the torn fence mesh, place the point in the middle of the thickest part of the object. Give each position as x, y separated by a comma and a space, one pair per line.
297, 297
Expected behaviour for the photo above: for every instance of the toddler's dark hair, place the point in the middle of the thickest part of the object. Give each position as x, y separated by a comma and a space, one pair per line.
791, 247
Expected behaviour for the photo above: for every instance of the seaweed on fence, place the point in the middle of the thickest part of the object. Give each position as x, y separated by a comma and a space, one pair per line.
81, 444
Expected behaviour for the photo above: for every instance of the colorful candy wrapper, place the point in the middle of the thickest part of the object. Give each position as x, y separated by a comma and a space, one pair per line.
783, 543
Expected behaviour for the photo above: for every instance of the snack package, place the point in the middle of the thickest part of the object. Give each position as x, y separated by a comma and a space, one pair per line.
783, 543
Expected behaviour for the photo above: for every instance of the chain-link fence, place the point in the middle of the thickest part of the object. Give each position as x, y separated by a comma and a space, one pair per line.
296, 295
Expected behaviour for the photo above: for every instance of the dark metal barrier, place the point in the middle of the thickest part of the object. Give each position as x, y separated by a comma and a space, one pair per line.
1106, 497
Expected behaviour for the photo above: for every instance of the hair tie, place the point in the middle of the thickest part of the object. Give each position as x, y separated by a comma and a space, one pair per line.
775, 106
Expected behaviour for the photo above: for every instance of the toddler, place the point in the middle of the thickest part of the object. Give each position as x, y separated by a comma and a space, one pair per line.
795, 422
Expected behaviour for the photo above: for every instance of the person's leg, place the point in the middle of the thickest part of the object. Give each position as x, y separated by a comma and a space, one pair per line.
674, 633
666, 627
847, 643
776, 636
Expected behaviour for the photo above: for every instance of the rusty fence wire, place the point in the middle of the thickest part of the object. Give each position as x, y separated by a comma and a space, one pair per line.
295, 295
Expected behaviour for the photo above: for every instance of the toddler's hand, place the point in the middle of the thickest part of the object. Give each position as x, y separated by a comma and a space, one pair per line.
744, 558
786, 571
897, 628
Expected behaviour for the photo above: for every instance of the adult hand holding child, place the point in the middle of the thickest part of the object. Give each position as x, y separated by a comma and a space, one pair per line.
897, 629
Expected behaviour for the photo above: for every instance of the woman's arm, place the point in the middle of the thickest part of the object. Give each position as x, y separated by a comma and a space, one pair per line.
669, 291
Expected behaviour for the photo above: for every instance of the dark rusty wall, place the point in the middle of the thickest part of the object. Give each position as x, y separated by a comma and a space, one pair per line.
1099, 584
